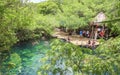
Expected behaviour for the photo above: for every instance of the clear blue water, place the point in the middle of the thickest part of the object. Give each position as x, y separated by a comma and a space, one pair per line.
30, 58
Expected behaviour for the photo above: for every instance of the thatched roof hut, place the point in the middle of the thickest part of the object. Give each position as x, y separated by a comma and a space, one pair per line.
99, 18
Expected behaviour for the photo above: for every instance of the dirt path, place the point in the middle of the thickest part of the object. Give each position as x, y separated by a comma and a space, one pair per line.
75, 39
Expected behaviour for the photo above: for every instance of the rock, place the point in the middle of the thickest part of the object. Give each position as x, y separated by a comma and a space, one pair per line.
46, 43
35, 43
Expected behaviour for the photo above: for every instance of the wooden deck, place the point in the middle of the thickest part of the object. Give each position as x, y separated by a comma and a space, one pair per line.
75, 39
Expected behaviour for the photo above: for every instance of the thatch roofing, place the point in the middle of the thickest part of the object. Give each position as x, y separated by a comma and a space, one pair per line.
98, 19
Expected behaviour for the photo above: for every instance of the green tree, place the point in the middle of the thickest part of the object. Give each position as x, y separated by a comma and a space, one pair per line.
47, 8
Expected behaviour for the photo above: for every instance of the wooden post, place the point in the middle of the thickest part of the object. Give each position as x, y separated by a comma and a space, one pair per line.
92, 34
95, 38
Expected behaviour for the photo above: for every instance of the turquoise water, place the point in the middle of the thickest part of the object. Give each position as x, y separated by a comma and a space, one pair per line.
30, 58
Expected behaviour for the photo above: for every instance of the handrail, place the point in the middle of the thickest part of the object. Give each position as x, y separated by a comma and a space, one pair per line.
114, 20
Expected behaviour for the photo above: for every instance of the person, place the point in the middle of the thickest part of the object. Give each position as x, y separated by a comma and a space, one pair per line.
68, 39
84, 33
81, 33
89, 43
87, 33
93, 43
102, 33
98, 29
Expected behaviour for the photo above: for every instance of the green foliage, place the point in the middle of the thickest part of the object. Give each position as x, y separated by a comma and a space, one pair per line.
47, 23
109, 51
14, 17
47, 8
13, 65
24, 34
7, 39
113, 22
82, 60
15, 61
75, 14
6, 33
23, 21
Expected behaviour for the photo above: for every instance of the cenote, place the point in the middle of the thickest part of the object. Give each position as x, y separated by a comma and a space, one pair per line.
25, 58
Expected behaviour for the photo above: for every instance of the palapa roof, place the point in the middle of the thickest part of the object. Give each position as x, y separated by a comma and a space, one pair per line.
99, 18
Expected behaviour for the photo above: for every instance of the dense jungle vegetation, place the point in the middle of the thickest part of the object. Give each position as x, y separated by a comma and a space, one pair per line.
22, 21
